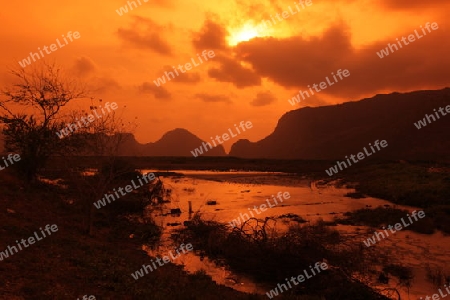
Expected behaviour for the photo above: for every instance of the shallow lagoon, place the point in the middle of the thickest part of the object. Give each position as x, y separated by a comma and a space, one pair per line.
236, 192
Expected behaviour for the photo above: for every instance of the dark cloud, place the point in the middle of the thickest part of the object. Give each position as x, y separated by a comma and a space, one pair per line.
232, 71
213, 98
158, 92
263, 99
84, 66
296, 62
145, 34
211, 36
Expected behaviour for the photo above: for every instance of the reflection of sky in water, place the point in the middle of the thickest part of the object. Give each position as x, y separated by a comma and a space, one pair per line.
235, 198
310, 201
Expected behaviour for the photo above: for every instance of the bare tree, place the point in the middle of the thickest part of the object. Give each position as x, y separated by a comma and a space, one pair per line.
102, 139
35, 126
30, 114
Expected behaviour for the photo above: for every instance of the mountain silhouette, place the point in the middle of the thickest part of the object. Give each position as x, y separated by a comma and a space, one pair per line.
332, 132
177, 142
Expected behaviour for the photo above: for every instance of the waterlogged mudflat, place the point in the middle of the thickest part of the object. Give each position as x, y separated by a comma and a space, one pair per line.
419, 251
235, 192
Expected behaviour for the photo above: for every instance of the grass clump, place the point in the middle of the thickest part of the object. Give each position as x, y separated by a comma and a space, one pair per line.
257, 249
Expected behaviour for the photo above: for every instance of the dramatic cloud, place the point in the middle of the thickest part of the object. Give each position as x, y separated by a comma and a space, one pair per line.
211, 36
263, 99
158, 92
145, 34
296, 62
213, 98
232, 71
293, 62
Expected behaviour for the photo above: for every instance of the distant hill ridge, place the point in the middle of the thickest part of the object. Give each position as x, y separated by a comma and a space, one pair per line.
177, 142
332, 132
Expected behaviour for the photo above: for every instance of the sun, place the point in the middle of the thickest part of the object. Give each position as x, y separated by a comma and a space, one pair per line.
245, 33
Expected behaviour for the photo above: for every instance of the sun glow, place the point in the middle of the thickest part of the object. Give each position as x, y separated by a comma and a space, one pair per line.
243, 34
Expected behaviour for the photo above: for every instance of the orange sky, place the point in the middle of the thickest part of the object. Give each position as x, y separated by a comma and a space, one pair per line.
121, 56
